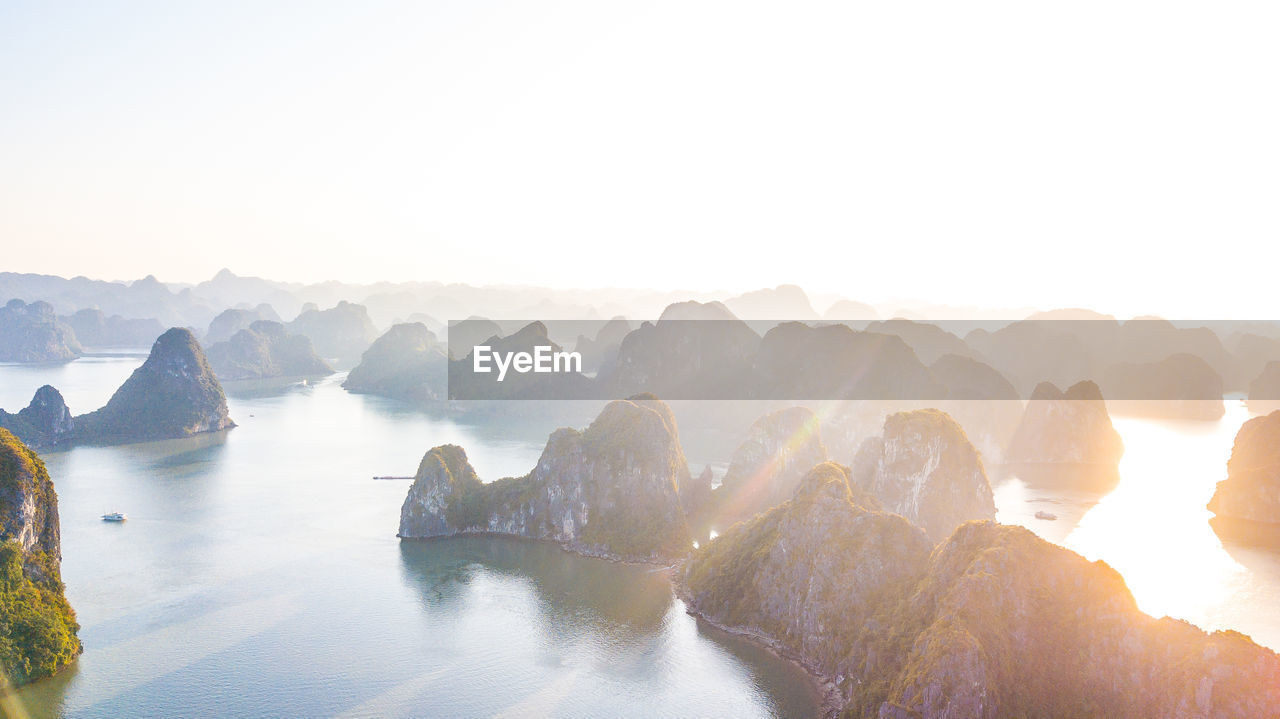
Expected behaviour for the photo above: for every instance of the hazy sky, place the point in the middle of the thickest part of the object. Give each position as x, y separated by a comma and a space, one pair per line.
1124, 155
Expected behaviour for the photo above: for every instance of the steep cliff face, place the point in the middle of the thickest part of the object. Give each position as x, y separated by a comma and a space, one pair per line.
173, 394
1071, 427
819, 577
405, 363
781, 447
995, 622
1006, 624
924, 468
612, 489
44, 422
1251, 490
37, 626
265, 349
33, 333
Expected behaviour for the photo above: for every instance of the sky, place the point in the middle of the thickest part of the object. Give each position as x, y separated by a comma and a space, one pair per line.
1120, 155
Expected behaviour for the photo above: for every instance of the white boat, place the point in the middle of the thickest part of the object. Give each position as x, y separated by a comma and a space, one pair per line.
1046, 515
114, 517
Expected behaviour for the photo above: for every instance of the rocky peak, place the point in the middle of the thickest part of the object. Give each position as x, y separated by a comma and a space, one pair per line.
48, 413
1251, 490
612, 489
38, 631
994, 622
28, 504
33, 333
925, 468
780, 448
1071, 427
406, 362
173, 394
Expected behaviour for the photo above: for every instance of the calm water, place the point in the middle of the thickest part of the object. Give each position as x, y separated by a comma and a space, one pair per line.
259, 575
1154, 529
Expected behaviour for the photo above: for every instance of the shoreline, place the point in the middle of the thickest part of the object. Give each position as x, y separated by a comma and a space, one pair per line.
831, 700
564, 546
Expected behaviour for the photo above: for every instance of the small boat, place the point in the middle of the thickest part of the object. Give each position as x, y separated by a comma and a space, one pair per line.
1046, 515
114, 517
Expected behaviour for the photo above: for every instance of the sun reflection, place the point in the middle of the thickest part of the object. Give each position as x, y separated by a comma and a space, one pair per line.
1154, 528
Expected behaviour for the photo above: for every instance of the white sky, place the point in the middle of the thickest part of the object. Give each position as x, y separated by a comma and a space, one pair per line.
1121, 155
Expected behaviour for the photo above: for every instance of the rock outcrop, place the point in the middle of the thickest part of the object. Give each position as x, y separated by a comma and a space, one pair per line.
37, 626
1264, 390
173, 394
1251, 490
781, 447
33, 333
45, 422
609, 490
1180, 386
94, 329
464, 383
464, 335
995, 622
929, 341
1071, 427
266, 349
966, 379
603, 349
406, 362
229, 322
341, 332
799, 362
693, 351
924, 468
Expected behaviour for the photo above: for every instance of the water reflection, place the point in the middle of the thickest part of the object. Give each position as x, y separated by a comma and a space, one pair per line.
569, 589
1154, 529
259, 575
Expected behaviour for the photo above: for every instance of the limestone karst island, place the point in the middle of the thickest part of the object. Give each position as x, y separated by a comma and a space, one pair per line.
691, 360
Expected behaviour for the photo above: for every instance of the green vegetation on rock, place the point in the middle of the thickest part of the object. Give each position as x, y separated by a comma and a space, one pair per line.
994, 622
612, 489
173, 394
37, 626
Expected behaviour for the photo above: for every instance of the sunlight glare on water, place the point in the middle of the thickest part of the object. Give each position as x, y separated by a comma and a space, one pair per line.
1154, 528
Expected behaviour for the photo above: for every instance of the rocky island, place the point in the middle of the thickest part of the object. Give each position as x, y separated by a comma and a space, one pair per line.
173, 394
994, 622
1251, 491
266, 349
1264, 390
33, 333
610, 490
341, 332
1180, 386
94, 328
1071, 427
231, 321
781, 447
37, 626
406, 362
924, 468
